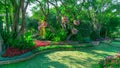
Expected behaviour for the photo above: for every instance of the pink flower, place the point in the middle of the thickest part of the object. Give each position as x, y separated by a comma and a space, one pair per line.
44, 24
109, 57
39, 27
74, 31
76, 22
118, 55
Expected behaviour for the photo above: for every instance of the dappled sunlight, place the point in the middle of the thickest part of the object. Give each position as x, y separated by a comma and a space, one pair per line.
69, 58
83, 58
75, 58
104, 52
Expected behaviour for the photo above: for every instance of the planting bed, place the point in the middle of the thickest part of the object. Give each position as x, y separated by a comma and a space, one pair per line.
10, 52
12, 55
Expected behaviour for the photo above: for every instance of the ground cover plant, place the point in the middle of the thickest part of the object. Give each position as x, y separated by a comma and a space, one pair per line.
110, 62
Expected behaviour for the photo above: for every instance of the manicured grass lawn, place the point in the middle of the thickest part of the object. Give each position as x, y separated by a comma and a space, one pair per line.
83, 58
116, 43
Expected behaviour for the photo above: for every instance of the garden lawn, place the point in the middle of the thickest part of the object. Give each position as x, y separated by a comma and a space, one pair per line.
115, 43
83, 58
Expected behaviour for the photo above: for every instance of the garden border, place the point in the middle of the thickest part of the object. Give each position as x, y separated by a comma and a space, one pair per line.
39, 52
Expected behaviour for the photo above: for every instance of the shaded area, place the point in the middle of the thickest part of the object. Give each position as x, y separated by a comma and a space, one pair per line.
84, 58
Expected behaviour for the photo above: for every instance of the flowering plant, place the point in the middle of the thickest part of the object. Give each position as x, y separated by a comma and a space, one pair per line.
110, 62
74, 31
76, 22
64, 19
42, 25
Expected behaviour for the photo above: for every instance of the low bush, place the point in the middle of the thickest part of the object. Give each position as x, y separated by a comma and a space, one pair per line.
110, 62
22, 42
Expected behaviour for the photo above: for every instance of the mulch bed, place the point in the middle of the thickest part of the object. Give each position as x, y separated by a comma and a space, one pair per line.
10, 52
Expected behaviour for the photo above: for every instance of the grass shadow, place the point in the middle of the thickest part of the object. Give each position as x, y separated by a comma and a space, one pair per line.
83, 58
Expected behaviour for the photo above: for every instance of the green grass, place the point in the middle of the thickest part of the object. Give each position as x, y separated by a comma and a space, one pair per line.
83, 58
116, 43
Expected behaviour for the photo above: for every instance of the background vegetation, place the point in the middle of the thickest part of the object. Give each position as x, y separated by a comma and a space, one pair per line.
96, 19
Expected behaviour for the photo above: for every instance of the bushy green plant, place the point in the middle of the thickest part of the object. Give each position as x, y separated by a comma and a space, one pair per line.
22, 42
94, 35
7, 37
110, 62
60, 36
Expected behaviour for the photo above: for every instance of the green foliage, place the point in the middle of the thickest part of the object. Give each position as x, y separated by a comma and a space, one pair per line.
31, 24
94, 35
21, 42
88, 12
7, 36
60, 35
77, 37
111, 28
25, 42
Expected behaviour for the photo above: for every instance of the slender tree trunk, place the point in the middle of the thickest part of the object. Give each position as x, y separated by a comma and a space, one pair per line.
23, 8
15, 23
16, 13
6, 11
1, 43
23, 17
1, 24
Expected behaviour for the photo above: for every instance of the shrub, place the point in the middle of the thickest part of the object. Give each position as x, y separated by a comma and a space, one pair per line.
60, 36
94, 35
110, 62
22, 42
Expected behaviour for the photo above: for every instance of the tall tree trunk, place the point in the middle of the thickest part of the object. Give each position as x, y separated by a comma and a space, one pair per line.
23, 8
23, 17
16, 13
15, 23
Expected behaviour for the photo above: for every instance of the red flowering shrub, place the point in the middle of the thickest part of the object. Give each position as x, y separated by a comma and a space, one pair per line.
41, 43
10, 52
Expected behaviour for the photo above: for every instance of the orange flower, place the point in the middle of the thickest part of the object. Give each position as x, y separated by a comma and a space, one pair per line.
64, 19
